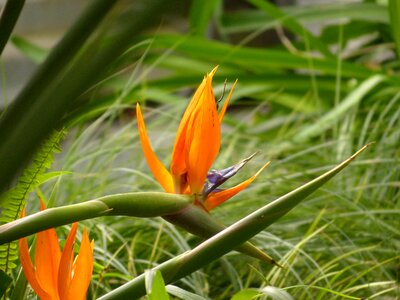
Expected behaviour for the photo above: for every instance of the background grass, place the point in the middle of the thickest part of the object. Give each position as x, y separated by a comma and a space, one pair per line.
306, 102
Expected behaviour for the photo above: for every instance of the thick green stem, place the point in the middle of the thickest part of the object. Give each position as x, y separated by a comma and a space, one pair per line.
8, 19
131, 204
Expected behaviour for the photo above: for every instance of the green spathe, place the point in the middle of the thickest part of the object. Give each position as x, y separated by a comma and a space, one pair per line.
141, 205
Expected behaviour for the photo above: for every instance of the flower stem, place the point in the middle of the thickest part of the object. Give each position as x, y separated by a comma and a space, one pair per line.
140, 205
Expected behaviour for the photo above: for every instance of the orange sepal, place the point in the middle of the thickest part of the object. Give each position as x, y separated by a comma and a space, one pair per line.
202, 138
179, 159
157, 168
224, 107
28, 268
217, 198
178, 163
47, 259
83, 268
66, 263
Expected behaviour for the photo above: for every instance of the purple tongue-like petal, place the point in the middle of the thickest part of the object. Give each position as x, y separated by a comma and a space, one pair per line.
217, 177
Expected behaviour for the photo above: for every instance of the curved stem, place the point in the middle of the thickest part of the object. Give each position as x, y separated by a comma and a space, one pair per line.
8, 19
130, 204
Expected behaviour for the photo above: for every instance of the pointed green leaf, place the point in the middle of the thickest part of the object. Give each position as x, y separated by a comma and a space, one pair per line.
183, 294
20, 287
246, 294
201, 13
35, 53
155, 286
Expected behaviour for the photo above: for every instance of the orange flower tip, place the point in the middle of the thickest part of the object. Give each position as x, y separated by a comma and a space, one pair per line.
138, 110
226, 103
42, 205
262, 169
213, 71
74, 228
234, 85
23, 213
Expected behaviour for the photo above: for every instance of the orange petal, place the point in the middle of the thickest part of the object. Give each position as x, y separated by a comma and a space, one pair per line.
224, 107
217, 198
157, 168
83, 266
178, 164
47, 259
29, 270
66, 264
202, 138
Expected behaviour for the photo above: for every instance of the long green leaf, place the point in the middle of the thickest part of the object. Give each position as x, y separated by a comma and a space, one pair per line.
201, 13
35, 53
30, 118
336, 114
248, 20
8, 19
292, 24
252, 58
394, 13
33, 115
229, 238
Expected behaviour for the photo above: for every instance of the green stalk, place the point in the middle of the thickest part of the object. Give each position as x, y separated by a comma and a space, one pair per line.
9, 17
227, 239
142, 205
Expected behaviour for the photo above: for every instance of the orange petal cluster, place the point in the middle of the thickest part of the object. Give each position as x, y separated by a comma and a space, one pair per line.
196, 146
57, 275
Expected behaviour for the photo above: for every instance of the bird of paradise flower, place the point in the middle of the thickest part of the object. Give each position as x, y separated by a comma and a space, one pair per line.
196, 146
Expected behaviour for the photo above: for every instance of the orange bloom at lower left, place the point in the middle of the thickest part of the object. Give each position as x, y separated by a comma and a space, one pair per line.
57, 275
